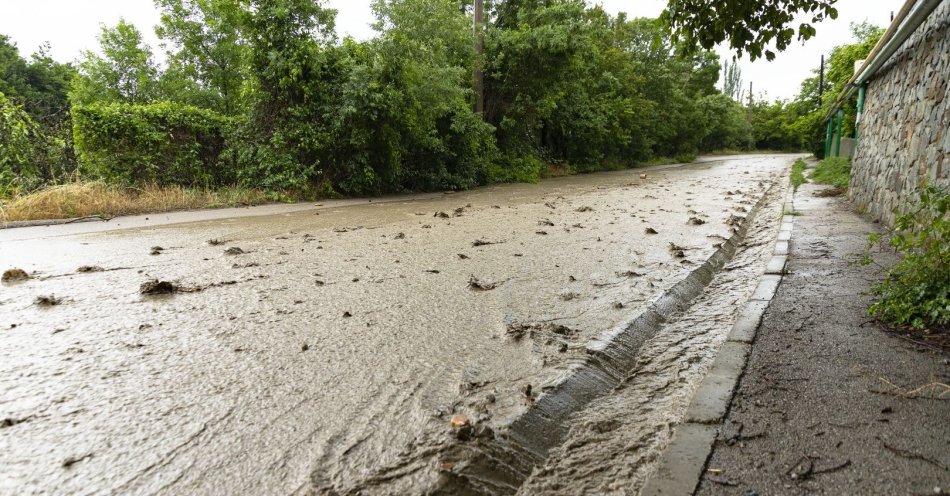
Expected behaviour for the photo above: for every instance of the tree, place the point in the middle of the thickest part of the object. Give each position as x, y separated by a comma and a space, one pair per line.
13, 69
292, 79
732, 80
749, 26
125, 73
207, 47
40, 84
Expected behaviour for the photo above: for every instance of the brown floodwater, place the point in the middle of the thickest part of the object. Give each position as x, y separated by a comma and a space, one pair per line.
327, 347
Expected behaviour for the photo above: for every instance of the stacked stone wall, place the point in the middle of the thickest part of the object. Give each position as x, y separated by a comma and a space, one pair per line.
904, 136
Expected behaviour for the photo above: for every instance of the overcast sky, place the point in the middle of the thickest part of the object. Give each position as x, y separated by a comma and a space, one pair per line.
71, 26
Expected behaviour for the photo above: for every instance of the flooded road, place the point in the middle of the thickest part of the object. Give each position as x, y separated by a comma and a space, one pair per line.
331, 349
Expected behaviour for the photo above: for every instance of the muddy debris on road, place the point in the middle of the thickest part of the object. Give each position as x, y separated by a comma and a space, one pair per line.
14, 275
156, 287
483, 242
47, 300
477, 285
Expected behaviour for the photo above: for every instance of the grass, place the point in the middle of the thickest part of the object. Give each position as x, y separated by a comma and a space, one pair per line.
833, 171
798, 174
85, 199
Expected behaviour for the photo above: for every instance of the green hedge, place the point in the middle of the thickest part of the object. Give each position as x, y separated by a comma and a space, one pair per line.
163, 143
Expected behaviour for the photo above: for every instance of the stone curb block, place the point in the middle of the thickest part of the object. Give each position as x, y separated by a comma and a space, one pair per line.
748, 322
711, 400
683, 462
781, 248
776, 265
788, 219
784, 235
786, 226
767, 287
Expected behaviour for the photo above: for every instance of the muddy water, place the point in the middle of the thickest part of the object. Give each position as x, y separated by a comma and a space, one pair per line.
333, 350
614, 443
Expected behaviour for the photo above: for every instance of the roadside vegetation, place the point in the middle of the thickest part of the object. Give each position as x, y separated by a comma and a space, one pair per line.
915, 293
263, 98
835, 172
798, 174
97, 198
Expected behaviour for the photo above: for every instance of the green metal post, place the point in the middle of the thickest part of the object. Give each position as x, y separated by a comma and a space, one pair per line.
857, 123
831, 124
838, 137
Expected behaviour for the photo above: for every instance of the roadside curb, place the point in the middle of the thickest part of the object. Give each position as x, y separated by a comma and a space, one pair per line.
13, 224
681, 464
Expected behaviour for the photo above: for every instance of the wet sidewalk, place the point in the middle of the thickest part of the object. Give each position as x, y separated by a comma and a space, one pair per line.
830, 403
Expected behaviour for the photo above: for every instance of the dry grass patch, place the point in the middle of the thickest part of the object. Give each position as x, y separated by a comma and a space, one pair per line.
86, 199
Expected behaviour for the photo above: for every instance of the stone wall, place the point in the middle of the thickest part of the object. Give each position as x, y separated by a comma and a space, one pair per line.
904, 137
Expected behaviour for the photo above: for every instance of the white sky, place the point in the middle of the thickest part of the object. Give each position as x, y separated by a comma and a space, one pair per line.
71, 26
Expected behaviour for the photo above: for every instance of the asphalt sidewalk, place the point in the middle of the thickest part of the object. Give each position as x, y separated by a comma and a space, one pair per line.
830, 403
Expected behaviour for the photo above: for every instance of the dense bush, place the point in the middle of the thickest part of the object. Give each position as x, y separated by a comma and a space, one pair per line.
162, 143
916, 291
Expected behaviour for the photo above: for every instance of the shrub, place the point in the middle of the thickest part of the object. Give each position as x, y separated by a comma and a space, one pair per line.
163, 143
514, 168
834, 171
916, 291
28, 154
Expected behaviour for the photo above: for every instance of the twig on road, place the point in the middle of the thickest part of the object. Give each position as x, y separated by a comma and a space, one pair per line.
910, 454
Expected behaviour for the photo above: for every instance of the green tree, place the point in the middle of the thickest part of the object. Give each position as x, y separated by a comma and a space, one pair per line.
37, 115
207, 48
841, 67
732, 80
750, 27
125, 73
39, 84
292, 79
